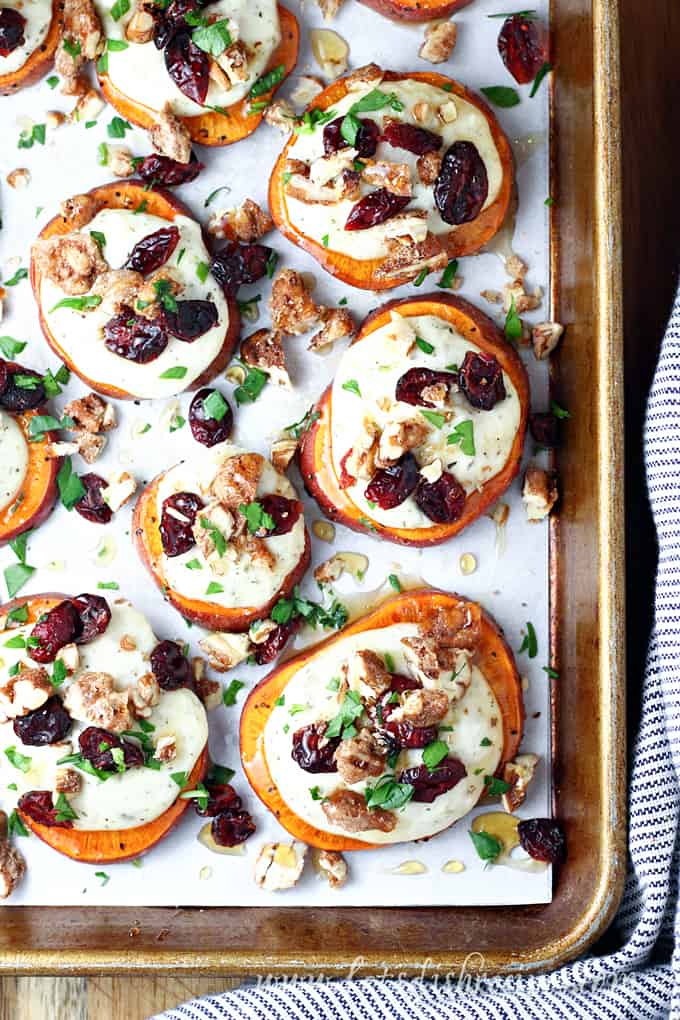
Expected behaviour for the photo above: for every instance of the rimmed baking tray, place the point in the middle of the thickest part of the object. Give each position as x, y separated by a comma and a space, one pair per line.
587, 623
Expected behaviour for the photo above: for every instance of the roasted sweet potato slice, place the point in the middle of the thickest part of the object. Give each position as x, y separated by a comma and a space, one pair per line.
40, 60
212, 128
131, 195
316, 460
416, 10
34, 501
423, 606
465, 239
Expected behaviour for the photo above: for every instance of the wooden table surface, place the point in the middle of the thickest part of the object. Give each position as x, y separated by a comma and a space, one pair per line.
651, 129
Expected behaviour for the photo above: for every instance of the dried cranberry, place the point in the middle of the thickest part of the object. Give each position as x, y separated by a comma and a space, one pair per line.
153, 251
135, 338
375, 208
411, 384
222, 797
408, 735
12, 26
366, 142
284, 512
545, 428
411, 138
39, 806
91, 505
190, 320
461, 188
96, 743
542, 839
442, 501
188, 66
94, 615
481, 380
23, 395
46, 725
269, 649
170, 666
177, 535
523, 46
311, 752
60, 626
238, 264
403, 733
232, 828
209, 430
430, 784
161, 170
390, 486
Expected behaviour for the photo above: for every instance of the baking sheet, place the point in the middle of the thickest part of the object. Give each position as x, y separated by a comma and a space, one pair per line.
511, 580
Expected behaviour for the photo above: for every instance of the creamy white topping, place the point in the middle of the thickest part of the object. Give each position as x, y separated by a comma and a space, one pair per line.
79, 334
246, 582
140, 73
138, 795
13, 459
307, 699
377, 363
326, 223
38, 15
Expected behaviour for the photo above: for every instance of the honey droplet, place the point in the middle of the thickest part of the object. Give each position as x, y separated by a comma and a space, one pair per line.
453, 867
501, 825
205, 873
409, 868
467, 563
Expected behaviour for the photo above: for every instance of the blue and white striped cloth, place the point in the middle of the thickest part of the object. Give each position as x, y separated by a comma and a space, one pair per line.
641, 980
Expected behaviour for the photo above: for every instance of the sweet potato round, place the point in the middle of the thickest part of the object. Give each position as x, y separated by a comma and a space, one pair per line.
416, 10
40, 60
147, 540
421, 606
464, 240
212, 128
159, 202
103, 846
315, 456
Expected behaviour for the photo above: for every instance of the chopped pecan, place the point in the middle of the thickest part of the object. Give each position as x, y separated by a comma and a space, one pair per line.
398, 437
329, 571
120, 489
72, 262
210, 523
88, 107
166, 748
518, 774
148, 300
539, 492
91, 414
439, 43
89, 446
369, 74
264, 350
306, 90
254, 549
423, 707
12, 869
337, 323
281, 115
292, 308
282, 452
144, 695
67, 780
236, 481
304, 189
347, 809
140, 27
428, 167
247, 223
432, 472
279, 865
545, 337
360, 757
326, 168
120, 161
118, 288
24, 692
524, 302
19, 178
395, 177
81, 41
332, 866
234, 61
92, 698
170, 137
406, 257
224, 651
329, 8
208, 691
360, 463
366, 669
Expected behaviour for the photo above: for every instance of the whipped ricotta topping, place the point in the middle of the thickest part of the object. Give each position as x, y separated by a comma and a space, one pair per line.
246, 582
80, 335
38, 15
140, 72
326, 223
138, 795
475, 737
13, 459
377, 363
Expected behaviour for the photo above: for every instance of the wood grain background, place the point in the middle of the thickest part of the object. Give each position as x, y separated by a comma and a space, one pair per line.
651, 130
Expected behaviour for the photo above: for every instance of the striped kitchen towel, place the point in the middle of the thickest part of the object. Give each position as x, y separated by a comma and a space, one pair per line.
640, 980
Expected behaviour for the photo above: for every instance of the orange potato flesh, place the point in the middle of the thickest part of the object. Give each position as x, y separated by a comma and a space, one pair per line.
212, 128
130, 194
423, 606
40, 60
462, 240
316, 458
416, 10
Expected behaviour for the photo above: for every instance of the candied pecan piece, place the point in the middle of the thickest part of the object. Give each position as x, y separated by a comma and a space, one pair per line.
24, 692
264, 350
424, 707
92, 698
247, 223
539, 492
428, 167
71, 261
480, 377
336, 323
461, 188
237, 480
360, 757
293, 309
347, 809
313, 751
439, 42
170, 137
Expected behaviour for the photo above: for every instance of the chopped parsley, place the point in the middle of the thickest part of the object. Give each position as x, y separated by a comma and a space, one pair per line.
352, 386
9, 347
501, 95
513, 323
251, 387
449, 274
434, 417
495, 787
388, 794
530, 642
218, 539
342, 725
118, 127
395, 582
464, 435
71, 489
424, 346
299, 428
229, 693
542, 72
488, 847
267, 82
79, 304
258, 520
178, 372
434, 753
213, 39
215, 406
21, 274
19, 761
374, 100
313, 613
